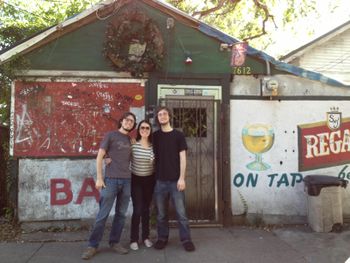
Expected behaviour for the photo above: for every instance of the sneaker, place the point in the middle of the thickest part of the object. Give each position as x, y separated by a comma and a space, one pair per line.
89, 253
117, 247
160, 244
134, 246
148, 243
189, 246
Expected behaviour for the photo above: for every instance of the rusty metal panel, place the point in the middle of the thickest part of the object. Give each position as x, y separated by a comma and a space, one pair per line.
69, 118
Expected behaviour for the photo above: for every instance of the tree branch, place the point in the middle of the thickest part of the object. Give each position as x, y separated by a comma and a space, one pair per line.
268, 16
209, 11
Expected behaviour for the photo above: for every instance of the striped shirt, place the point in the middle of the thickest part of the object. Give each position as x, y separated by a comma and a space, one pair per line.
142, 160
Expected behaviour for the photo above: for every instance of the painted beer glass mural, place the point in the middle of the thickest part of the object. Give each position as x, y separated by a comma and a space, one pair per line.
258, 138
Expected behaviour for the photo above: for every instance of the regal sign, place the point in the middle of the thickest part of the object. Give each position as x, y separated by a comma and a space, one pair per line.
324, 144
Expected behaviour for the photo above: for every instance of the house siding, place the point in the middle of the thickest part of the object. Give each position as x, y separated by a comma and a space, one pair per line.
331, 58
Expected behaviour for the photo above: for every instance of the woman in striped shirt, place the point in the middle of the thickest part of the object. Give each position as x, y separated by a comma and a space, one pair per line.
142, 184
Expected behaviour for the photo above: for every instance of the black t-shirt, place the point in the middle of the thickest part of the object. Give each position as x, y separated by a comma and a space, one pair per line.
167, 146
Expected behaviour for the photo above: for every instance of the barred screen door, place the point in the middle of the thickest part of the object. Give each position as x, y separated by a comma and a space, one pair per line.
197, 118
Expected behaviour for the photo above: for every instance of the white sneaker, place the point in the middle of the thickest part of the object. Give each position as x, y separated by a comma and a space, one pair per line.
148, 243
134, 246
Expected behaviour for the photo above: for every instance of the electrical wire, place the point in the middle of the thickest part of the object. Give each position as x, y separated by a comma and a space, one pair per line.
333, 63
117, 6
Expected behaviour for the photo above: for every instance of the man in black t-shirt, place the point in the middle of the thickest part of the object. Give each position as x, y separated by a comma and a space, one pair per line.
170, 151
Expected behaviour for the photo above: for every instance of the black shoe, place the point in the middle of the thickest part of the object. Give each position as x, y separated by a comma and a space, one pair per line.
189, 246
160, 244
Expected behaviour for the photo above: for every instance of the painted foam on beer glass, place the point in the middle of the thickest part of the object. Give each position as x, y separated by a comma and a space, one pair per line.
258, 138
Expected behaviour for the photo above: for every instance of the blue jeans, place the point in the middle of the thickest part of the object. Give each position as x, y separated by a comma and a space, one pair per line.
163, 190
118, 189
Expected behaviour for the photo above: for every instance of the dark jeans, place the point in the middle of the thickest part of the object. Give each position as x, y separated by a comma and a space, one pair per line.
141, 193
119, 190
163, 190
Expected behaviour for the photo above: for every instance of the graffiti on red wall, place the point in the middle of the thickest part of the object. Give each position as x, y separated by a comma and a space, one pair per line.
69, 118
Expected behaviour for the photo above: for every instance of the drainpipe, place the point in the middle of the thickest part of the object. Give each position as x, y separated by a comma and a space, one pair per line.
265, 79
268, 71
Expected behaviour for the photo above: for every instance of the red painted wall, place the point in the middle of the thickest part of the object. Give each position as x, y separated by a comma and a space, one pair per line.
68, 118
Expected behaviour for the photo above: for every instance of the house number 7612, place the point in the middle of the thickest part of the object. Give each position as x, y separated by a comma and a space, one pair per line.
242, 70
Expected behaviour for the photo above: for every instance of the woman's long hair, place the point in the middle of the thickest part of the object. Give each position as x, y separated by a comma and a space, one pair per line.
138, 136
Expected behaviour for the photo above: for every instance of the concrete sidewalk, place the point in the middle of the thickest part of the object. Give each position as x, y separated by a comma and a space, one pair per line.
234, 244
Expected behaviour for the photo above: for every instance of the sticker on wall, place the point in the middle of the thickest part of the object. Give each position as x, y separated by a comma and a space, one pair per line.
326, 143
138, 97
258, 138
239, 53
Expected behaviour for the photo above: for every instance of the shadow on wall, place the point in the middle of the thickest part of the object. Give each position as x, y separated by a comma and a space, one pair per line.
4, 141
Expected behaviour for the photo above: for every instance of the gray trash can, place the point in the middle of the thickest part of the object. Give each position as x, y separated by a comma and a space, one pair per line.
324, 205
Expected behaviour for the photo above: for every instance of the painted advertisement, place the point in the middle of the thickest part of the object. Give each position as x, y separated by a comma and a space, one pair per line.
272, 150
68, 118
57, 189
323, 146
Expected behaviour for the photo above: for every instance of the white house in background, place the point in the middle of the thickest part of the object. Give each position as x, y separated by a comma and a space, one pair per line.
328, 54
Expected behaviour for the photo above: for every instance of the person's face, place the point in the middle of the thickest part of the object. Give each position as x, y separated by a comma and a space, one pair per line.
128, 123
163, 117
145, 130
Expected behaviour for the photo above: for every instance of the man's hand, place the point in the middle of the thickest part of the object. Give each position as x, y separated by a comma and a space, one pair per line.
100, 184
181, 185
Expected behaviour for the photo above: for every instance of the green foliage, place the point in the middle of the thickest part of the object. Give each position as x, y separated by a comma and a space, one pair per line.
8, 213
7, 74
20, 18
244, 19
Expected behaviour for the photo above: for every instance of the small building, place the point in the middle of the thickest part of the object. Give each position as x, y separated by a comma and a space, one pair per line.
328, 54
255, 126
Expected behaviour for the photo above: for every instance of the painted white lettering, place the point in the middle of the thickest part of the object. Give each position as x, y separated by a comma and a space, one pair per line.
346, 142
323, 149
324, 144
70, 103
335, 144
104, 95
311, 146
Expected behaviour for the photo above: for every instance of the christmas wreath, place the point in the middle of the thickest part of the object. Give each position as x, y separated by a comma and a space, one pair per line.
134, 44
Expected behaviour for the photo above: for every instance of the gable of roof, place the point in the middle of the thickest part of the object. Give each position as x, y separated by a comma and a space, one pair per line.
100, 11
316, 42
